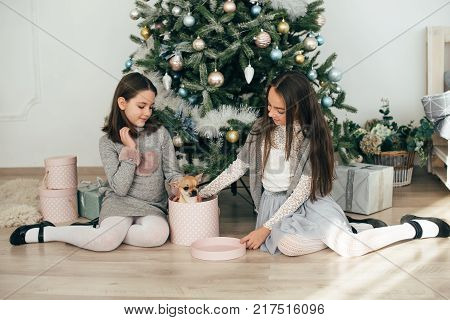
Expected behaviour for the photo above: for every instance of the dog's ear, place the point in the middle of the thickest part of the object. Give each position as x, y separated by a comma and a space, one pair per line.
199, 177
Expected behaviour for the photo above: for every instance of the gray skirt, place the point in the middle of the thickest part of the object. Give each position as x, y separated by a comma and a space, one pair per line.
311, 220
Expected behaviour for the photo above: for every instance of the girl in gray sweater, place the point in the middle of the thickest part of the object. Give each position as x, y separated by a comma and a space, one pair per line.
289, 155
139, 158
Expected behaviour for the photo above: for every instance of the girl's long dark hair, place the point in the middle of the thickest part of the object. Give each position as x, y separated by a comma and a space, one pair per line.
129, 87
302, 106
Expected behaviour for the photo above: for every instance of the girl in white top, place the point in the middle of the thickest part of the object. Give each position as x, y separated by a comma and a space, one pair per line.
296, 214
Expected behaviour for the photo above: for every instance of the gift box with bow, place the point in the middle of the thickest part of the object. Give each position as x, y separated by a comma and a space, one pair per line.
363, 188
90, 198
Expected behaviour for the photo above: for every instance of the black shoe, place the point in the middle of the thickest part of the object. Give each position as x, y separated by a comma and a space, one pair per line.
373, 222
93, 223
444, 228
18, 236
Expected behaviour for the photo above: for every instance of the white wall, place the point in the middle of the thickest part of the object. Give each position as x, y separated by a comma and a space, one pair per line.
56, 93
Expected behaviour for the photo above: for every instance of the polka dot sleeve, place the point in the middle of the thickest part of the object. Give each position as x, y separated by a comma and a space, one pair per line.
236, 170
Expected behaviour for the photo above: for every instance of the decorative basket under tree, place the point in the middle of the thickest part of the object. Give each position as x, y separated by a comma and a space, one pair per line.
384, 142
403, 163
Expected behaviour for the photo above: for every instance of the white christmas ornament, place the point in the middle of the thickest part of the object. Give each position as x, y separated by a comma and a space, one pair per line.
249, 72
167, 81
135, 14
188, 20
176, 11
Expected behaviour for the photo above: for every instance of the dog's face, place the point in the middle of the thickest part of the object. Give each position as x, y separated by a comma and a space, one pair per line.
188, 187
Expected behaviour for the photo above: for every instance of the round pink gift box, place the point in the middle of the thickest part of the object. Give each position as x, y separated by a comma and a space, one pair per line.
59, 206
190, 222
61, 172
218, 249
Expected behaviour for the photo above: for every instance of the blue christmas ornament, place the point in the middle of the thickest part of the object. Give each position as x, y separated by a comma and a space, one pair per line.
326, 101
192, 99
276, 54
182, 92
320, 40
255, 10
334, 75
128, 63
312, 74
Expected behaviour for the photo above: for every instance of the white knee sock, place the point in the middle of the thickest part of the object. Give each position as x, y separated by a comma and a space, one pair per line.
31, 236
349, 245
361, 226
148, 231
108, 236
430, 229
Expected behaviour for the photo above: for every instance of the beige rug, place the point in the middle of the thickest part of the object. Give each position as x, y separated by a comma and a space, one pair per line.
19, 202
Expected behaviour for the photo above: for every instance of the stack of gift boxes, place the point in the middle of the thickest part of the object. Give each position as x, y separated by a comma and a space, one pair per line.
358, 188
58, 192
62, 200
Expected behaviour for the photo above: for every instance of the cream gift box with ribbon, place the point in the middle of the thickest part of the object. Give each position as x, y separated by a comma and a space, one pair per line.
363, 188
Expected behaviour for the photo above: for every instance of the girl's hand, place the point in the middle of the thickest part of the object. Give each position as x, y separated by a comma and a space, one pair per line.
174, 188
126, 139
256, 238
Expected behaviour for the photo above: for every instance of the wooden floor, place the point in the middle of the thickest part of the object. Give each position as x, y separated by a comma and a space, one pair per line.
409, 270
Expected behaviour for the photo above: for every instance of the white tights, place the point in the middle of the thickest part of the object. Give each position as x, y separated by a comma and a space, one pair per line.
346, 243
148, 231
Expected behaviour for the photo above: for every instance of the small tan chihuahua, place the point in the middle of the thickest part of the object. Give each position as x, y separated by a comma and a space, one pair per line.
188, 189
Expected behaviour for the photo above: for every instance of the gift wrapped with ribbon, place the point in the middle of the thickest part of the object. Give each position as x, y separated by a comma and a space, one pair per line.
437, 110
363, 188
90, 198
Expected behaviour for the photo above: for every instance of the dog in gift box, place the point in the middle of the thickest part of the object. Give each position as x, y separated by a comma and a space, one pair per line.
187, 189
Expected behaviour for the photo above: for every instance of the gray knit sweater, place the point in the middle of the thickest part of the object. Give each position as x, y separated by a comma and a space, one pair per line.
137, 177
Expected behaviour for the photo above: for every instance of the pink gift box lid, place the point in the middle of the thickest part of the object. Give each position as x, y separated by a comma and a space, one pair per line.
218, 248
60, 161
47, 193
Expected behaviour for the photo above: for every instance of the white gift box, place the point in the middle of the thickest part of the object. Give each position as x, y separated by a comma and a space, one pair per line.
363, 188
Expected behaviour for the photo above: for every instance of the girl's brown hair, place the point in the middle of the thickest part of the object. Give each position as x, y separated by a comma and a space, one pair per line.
302, 107
129, 87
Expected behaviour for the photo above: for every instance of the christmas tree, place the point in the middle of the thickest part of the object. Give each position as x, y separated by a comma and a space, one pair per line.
214, 60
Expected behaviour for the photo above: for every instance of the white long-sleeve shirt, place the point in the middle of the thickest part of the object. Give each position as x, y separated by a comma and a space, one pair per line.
272, 180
